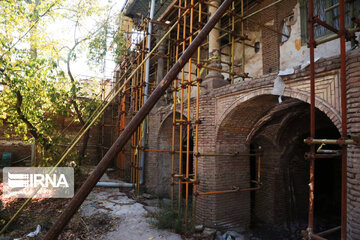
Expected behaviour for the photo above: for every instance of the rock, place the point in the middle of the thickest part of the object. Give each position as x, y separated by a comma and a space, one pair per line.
152, 210
151, 202
232, 235
146, 195
199, 228
209, 233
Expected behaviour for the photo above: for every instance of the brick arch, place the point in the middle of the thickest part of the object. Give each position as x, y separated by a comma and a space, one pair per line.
169, 115
233, 128
164, 133
251, 97
163, 159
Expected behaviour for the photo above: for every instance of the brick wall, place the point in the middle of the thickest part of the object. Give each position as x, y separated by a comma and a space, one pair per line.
229, 114
216, 173
230, 125
18, 148
70, 129
159, 164
353, 96
270, 41
207, 205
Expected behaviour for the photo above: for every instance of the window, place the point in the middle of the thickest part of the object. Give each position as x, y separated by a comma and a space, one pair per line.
327, 11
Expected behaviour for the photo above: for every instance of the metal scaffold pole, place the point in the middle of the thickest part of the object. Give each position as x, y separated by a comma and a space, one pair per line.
146, 92
100, 169
343, 141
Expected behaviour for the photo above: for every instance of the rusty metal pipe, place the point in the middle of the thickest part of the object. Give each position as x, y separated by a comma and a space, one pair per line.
310, 236
311, 45
204, 154
91, 181
342, 33
329, 231
330, 141
325, 25
229, 191
237, 189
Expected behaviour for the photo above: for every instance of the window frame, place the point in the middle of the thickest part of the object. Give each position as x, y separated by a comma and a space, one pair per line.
329, 17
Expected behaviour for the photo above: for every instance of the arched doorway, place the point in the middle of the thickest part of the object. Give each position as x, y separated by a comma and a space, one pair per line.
164, 159
286, 173
280, 207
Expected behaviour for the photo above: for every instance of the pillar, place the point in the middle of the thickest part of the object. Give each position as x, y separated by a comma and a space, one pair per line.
161, 61
214, 79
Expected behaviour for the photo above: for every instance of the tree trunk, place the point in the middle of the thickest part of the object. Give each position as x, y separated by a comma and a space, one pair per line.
83, 149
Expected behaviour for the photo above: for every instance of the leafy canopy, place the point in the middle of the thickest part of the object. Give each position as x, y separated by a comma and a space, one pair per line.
34, 88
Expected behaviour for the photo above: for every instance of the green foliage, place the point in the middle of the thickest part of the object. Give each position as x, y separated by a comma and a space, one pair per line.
98, 46
32, 92
173, 219
35, 91
41, 88
120, 46
108, 38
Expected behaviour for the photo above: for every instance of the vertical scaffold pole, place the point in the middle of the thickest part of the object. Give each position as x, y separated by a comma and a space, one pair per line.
311, 45
342, 34
100, 169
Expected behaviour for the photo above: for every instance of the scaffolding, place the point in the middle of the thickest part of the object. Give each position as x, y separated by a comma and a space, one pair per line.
344, 141
185, 54
190, 16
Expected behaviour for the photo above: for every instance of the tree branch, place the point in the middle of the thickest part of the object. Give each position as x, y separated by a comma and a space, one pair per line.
73, 90
43, 139
32, 26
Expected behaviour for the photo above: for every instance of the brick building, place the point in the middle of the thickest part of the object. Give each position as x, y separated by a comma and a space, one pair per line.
244, 96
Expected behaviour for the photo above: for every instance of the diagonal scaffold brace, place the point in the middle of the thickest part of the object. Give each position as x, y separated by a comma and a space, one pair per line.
91, 181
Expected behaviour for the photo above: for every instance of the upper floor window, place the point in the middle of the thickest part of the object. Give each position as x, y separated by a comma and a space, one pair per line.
327, 11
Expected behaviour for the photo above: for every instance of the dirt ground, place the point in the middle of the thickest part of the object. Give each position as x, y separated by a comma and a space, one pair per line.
130, 216
106, 214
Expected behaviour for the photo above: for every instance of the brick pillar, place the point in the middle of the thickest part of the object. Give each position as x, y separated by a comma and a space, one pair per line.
353, 97
270, 42
214, 79
151, 163
161, 61
206, 205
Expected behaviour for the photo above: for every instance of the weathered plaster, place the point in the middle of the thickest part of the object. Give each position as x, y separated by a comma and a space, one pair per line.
293, 50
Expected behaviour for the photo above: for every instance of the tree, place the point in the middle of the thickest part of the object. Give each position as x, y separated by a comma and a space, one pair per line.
31, 94
35, 88
96, 40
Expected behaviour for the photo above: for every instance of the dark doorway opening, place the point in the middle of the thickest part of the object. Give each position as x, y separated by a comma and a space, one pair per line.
253, 170
280, 209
